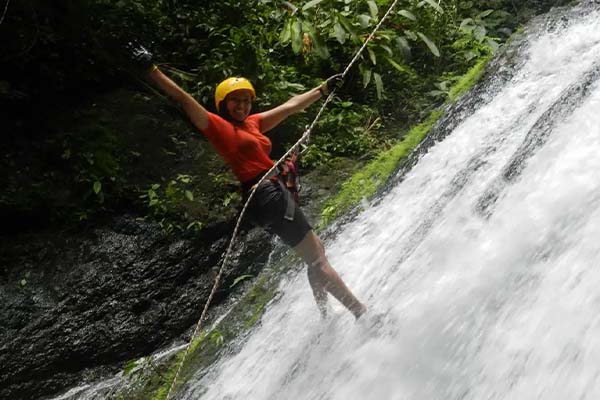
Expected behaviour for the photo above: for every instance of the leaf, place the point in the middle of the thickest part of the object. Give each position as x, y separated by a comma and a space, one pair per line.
197, 225
364, 20
296, 36
347, 25
465, 22
396, 65
239, 279
373, 9
469, 55
387, 49
378, 85
310, 4
339, 33
366, 75
407, 14
189, 195
402, 44
286, 33
97, 187
485, 13
429, 44
479, 33
433, 4
493, 44
372, 56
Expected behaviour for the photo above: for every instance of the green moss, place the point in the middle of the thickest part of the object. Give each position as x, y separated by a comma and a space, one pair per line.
468, 80
164, 381
365, 183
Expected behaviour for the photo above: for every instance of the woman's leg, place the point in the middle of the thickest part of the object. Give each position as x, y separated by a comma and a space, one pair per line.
323, 278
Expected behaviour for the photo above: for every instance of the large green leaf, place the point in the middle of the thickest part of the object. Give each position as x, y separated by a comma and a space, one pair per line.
286, 32
407, 14
366, 75
394, 64
372, 56
373, 9
485, 13
310, 4
347, 25
296, 36
339, 32
364, 20
387, 49
97, 187
429, 44
403, 46
479, 33
378, 85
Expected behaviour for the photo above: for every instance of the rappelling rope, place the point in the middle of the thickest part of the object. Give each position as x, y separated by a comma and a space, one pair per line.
305, 137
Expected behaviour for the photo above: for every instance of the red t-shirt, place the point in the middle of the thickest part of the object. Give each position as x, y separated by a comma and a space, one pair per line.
242, 146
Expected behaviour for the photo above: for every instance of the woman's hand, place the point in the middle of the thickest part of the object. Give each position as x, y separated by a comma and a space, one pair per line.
333, 82
141, 57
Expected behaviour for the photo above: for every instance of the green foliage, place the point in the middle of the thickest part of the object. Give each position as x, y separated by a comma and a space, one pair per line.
349, 130
78, 51
319, 28
166, 202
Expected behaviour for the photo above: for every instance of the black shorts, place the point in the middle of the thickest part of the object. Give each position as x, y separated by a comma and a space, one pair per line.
268, 208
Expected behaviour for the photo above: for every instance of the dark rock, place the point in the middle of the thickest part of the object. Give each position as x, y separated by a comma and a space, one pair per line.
81, 302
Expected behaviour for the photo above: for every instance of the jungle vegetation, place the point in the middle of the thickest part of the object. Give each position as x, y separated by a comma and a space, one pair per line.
84, 135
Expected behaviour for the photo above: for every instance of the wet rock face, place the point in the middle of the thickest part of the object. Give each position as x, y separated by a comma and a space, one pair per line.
79, 302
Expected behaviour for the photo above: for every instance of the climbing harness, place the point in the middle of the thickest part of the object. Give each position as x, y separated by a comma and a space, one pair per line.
290, 176
274, 171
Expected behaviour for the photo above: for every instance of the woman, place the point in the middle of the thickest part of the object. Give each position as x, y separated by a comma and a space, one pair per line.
239, 138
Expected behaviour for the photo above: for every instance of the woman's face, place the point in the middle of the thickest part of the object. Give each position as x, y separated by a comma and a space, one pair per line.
238, 104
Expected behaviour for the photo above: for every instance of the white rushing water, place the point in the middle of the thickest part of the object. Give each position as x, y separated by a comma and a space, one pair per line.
503, 305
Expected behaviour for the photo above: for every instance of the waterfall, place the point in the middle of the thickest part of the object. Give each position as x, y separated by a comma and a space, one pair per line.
478, 266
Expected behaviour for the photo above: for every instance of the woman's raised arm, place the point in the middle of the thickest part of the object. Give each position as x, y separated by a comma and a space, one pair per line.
195, 112
273, 117
144, 60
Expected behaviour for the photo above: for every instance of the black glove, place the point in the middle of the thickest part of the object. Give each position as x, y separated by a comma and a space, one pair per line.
141, 57
333, 82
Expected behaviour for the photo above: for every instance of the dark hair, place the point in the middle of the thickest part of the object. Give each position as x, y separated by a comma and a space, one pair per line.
222, 111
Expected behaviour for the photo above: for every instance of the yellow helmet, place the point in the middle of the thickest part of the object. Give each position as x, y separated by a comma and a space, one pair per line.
232, 84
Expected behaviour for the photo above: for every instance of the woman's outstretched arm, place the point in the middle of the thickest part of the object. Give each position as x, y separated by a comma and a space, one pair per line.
273, 117
195, 112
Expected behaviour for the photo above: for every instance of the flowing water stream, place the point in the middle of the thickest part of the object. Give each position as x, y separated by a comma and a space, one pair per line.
480, 267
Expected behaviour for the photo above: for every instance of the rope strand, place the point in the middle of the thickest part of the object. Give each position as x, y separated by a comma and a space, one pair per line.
305, 137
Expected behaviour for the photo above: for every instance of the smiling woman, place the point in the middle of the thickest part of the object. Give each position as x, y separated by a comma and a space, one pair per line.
239, 137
